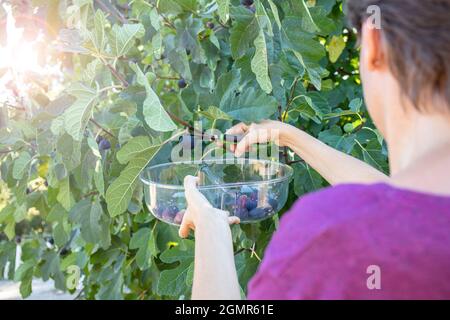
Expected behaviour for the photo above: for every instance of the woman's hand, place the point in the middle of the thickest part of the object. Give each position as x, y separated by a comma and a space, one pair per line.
335, 166
266, 131
215, 274
199, 211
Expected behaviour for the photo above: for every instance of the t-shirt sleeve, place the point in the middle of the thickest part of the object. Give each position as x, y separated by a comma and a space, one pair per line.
314, 254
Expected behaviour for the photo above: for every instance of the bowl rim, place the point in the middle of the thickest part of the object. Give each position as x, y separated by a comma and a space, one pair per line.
288, 176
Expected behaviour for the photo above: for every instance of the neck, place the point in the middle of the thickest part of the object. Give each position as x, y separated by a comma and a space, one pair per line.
419, 138
419, 151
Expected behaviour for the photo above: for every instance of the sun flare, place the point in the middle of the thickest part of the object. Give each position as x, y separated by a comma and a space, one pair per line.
18, 55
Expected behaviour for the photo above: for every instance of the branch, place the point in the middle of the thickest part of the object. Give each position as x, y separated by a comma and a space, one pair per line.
6, 151
291, 96
166, 20
87, 195
116, 74
296, 161
180, 121
167, 78
113, 12
98, 125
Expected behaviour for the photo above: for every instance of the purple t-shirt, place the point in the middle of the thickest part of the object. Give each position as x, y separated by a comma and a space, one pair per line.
359, 242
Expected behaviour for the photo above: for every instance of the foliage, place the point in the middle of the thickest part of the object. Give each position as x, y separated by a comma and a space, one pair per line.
66, 201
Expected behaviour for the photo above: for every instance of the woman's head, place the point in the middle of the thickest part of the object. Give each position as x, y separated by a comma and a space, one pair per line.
408, 56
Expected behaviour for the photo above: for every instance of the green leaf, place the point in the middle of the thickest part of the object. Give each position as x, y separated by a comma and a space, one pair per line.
112, 290
154, 113
355, 105
94, 223
144, 241
314, 71
172, 282
251, 105
275, 13
65, 197
122, 37
51, 268
260, 64
306, 179
98, 170
244, 31
214, 113
223, 10
119, 193
373, 154
21, 164
308, 24
133, 148
98, 36
24, 274
76, 117
335, 138
335, 48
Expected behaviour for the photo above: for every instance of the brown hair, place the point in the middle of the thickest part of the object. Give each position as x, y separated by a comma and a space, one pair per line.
417, 34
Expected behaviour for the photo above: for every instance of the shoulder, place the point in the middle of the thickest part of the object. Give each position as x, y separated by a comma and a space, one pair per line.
330, 208
325, 243
316, 234
335, 210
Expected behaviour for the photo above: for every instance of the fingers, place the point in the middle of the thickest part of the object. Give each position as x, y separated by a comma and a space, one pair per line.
193, 196
250, 139
234, 220
240, 128
184, 229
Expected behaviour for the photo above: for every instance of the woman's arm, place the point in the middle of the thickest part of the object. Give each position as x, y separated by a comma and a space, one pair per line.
215, 276
335, 166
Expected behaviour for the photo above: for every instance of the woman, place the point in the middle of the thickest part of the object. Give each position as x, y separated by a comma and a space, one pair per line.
369, 236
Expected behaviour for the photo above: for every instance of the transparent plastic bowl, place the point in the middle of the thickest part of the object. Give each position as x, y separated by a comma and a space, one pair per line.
252, 190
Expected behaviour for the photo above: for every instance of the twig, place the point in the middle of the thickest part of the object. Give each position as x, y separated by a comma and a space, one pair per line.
291, 96
92, 193
166, 21
115, 13
117, 74
6, 151
296, 161
98, 125
167, 78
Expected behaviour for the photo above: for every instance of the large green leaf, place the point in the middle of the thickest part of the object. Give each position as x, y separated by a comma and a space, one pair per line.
154, 113
94, 223
223, 10
24, 274
119, 193
21, 164
123, 37
336, 138
244, 31
144, 241
306, 179
172, 282
260, 64
98, 36
251, 105
76, 117
65, 196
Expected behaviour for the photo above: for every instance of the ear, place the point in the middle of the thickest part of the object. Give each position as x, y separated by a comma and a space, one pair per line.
373, 51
